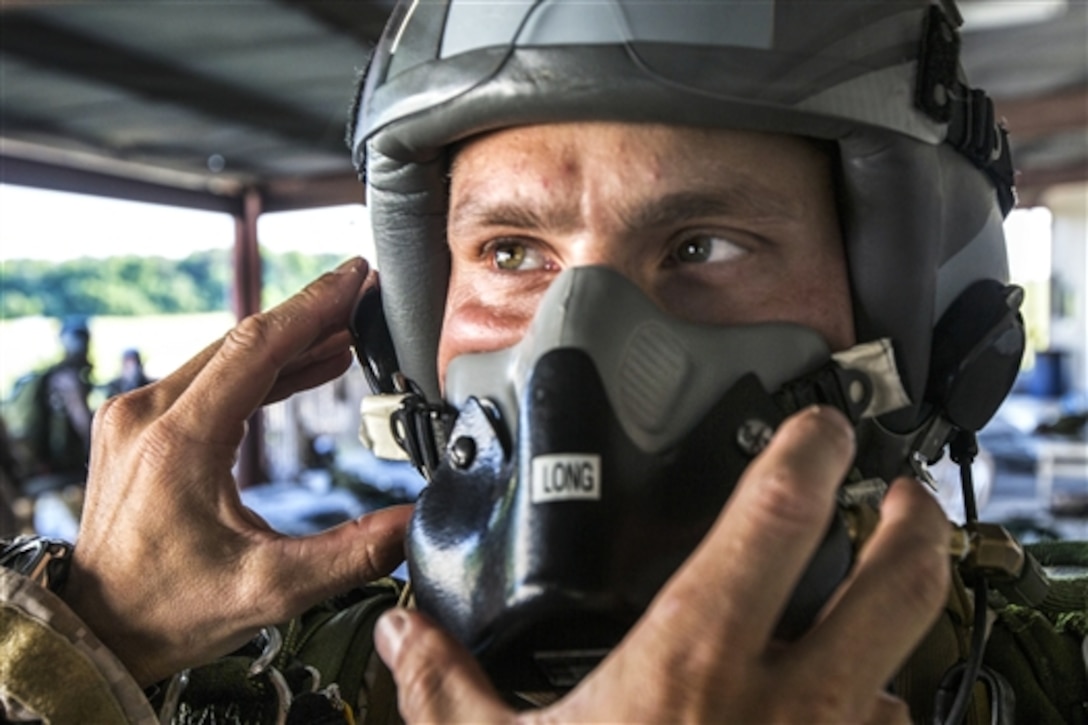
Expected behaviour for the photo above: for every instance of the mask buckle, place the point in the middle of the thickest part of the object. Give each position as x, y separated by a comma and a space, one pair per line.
419, 426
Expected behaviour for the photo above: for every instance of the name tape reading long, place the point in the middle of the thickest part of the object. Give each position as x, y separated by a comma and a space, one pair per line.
566, 477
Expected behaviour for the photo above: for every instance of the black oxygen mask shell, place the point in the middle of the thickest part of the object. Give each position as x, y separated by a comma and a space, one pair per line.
541, 539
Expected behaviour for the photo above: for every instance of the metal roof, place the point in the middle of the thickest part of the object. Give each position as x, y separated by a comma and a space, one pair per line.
205, 98
192, 102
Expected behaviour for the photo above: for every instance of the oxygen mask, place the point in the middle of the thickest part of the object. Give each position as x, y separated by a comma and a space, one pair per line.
571, 474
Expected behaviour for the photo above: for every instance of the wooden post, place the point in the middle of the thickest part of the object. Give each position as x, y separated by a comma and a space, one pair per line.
246, 297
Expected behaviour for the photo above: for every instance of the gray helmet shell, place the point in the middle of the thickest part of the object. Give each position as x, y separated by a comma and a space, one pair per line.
921, 221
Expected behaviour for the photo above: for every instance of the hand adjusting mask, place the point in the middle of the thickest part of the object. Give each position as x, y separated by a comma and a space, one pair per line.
583, 465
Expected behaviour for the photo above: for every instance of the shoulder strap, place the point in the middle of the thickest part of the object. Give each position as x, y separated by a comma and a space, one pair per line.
326, 672
340, 645
1040, 650
946, 645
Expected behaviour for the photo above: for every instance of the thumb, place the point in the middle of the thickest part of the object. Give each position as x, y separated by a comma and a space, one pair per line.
437, 679
312, 568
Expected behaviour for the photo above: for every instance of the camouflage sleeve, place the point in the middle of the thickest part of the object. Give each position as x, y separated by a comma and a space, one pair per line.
53, 668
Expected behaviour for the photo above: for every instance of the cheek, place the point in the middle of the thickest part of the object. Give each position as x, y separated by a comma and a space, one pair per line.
817, 294
811, 290
829, 311
481, 320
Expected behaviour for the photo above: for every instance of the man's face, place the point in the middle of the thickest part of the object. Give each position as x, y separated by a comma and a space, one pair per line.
715, 226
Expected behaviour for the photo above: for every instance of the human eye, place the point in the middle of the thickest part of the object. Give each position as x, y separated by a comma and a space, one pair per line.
706, 249
513, 255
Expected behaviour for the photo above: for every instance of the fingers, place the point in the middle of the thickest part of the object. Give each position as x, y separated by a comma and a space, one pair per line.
306, 570
161, 490
741, 576
315, 370
437, 679
335, 345
238, 376
176, 382
897, 588
706, 643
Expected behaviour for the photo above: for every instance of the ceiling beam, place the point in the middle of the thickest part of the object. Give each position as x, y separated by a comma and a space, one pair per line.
44, 175
65, 51
288, 194
1057, 112
15, 125
1031, 184
362, 20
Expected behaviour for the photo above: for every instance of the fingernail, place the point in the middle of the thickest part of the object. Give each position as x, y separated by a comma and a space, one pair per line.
834, 417
390, 632
351, 265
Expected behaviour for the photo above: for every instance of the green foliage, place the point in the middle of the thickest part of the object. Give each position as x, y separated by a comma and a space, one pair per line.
135, 285
285, 274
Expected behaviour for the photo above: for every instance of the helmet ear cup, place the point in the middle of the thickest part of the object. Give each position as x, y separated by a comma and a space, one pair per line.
977, 347
373, 343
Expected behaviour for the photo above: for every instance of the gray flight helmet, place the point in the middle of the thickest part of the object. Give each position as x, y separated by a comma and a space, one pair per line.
925, 178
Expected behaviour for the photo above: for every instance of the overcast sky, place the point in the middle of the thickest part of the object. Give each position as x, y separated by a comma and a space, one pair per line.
51, 225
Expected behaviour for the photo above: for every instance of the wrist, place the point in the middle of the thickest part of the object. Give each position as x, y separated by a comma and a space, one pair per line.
39, 637
49, 564
91, 601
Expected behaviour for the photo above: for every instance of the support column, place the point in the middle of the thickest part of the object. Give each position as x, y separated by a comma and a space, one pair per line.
1069, 280
246, 299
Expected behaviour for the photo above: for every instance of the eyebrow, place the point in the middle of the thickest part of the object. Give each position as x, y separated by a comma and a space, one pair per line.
745, 200
475, 212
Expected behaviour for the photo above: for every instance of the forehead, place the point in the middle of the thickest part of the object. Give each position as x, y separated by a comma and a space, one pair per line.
772, 174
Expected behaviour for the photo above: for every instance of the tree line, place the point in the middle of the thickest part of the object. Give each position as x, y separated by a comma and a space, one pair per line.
138, 285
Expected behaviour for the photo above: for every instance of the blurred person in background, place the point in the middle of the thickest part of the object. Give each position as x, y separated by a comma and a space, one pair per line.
49, 416
132, 374
14, 507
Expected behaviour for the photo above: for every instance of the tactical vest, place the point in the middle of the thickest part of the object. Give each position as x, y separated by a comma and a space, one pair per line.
1033, 670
